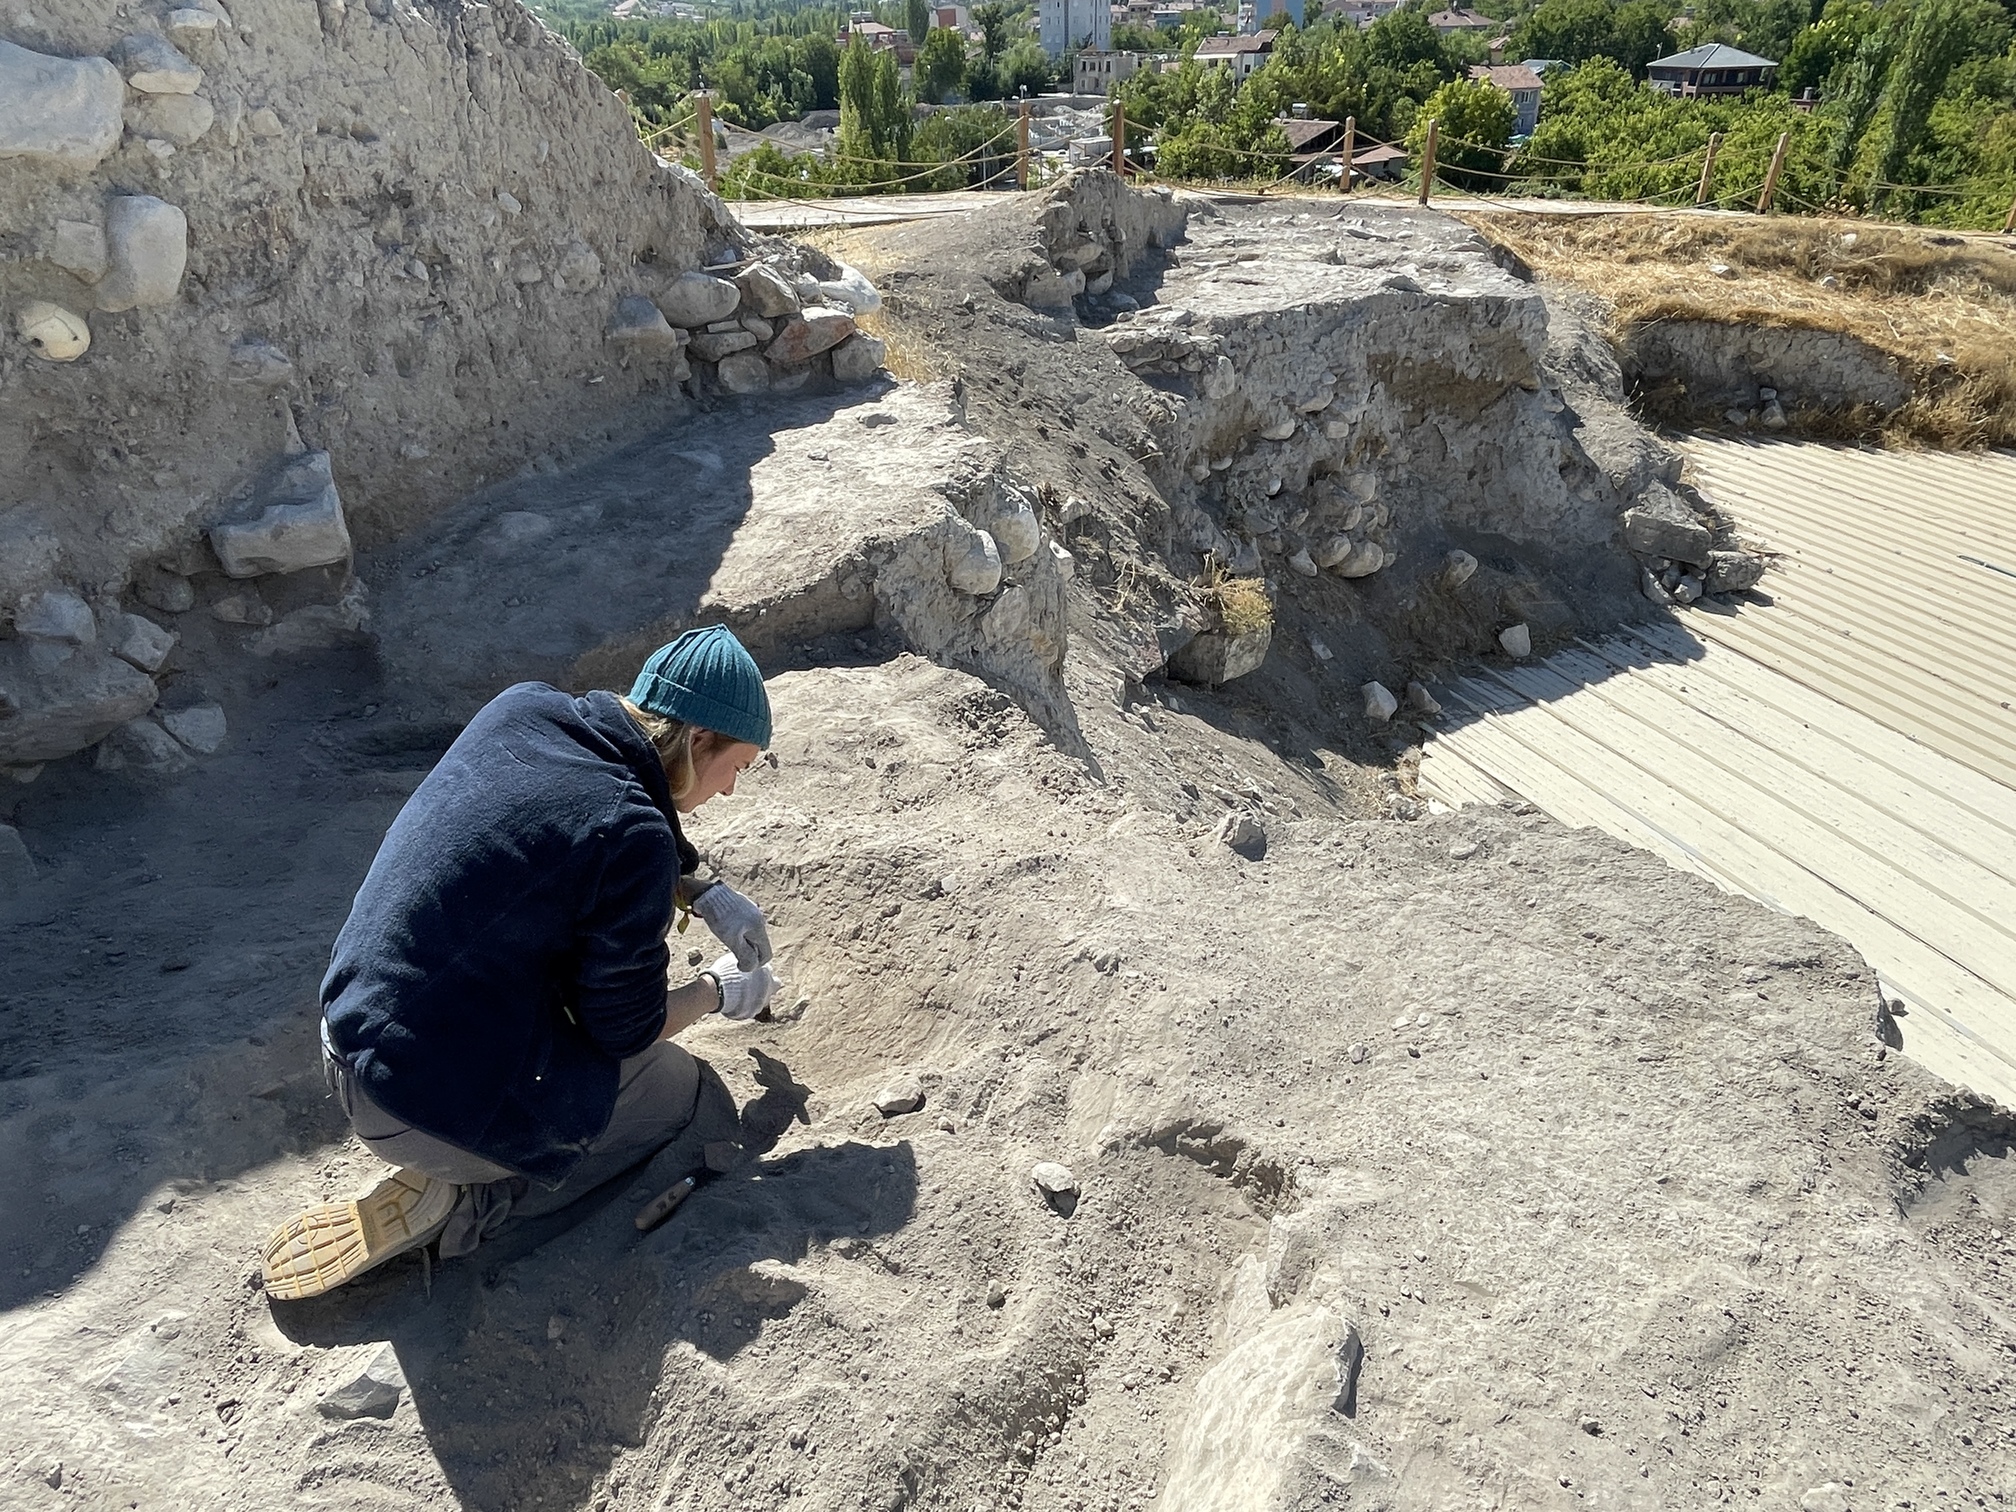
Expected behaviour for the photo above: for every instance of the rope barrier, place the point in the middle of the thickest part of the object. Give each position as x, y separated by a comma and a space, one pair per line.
1949, 191
881, 186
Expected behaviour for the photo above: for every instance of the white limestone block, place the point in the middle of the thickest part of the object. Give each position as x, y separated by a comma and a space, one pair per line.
695, 300
201, 728
78, 248
295, 521
52, 332
66, 112
858, 358
148, 244
154, 65
973, 562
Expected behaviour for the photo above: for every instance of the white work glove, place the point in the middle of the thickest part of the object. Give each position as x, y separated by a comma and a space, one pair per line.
743, 993
737, 923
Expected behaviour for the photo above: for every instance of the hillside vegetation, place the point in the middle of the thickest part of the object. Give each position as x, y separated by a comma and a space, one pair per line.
1911, 115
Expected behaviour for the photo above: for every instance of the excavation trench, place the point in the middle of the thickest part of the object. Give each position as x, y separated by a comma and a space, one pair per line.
1403, 1143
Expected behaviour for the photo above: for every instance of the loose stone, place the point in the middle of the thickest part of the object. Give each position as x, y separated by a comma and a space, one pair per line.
905, 1095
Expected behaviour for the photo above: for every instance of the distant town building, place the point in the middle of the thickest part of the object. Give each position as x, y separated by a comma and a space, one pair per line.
1361, 13
879, 38
1274, 12
1716, 69
1095, 73
1457, 19
1241, 54
952, 18
1381, 162
1065, 24
1520, 82
1171, 17
1310, 141
1541, 65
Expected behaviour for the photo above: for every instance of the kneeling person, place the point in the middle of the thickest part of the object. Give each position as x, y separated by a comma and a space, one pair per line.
496, 1017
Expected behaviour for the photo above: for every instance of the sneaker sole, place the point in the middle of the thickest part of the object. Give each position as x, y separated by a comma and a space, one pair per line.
335, 1243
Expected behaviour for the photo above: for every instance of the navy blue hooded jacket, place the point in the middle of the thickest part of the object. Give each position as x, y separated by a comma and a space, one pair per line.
507, 948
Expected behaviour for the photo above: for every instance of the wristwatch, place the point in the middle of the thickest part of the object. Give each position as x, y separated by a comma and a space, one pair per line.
720, 994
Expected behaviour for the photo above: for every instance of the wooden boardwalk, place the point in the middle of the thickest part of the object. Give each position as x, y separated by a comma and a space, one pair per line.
1846, 752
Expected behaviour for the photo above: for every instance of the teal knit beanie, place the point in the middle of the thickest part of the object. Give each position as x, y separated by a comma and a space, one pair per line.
706, 678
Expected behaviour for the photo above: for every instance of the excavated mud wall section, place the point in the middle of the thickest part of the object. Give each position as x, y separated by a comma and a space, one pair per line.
1367, 413
316, 268
1695, 369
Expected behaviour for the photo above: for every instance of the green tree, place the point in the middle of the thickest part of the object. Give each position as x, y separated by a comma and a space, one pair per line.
893, 116
917, 20
1023, 65
974, 143
1824, 49
857, 100
1474, 121
1574, 31
819, 56
1940, 34
940, 71
1861, 91
992, 19
874, 116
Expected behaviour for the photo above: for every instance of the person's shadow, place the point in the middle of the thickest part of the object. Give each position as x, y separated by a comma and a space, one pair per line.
531, 1362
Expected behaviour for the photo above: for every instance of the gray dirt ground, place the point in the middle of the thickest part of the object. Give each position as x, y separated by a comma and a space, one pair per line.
1601, 1174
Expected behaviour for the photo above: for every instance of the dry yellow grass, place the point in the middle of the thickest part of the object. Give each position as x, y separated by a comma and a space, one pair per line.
908, 357
1241, 603
1944, 305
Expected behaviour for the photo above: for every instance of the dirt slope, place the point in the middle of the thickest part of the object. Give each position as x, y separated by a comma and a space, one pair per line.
1613, 1196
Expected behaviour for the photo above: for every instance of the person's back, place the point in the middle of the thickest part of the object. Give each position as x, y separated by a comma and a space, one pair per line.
497, 1015
507, 950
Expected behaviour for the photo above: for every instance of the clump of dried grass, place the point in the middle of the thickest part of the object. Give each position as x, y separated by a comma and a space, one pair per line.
1240, 603
908, 356
1943, 305
905, 358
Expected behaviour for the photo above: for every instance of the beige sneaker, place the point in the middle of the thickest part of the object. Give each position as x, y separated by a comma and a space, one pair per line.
328, 1246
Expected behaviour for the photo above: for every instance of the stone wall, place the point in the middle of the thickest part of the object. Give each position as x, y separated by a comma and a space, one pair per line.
411, 243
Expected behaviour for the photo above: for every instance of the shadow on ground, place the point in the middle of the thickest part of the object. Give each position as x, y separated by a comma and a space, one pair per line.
534, 1361
162, 974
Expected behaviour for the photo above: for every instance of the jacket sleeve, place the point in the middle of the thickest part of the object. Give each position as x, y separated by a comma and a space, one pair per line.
620, 951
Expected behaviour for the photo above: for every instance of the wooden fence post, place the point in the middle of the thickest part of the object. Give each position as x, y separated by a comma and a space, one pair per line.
1428, 160
1120, 138
703, 114
2009, 225
1707, 188
1022, 147
1350, 148
1771, 174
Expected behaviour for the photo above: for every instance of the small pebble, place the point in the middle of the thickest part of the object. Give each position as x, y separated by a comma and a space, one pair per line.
1359, 1052
1102, 1326
1463, 850
997, 1294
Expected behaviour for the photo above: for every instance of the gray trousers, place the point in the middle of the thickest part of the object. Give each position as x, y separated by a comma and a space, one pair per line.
656, 1095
